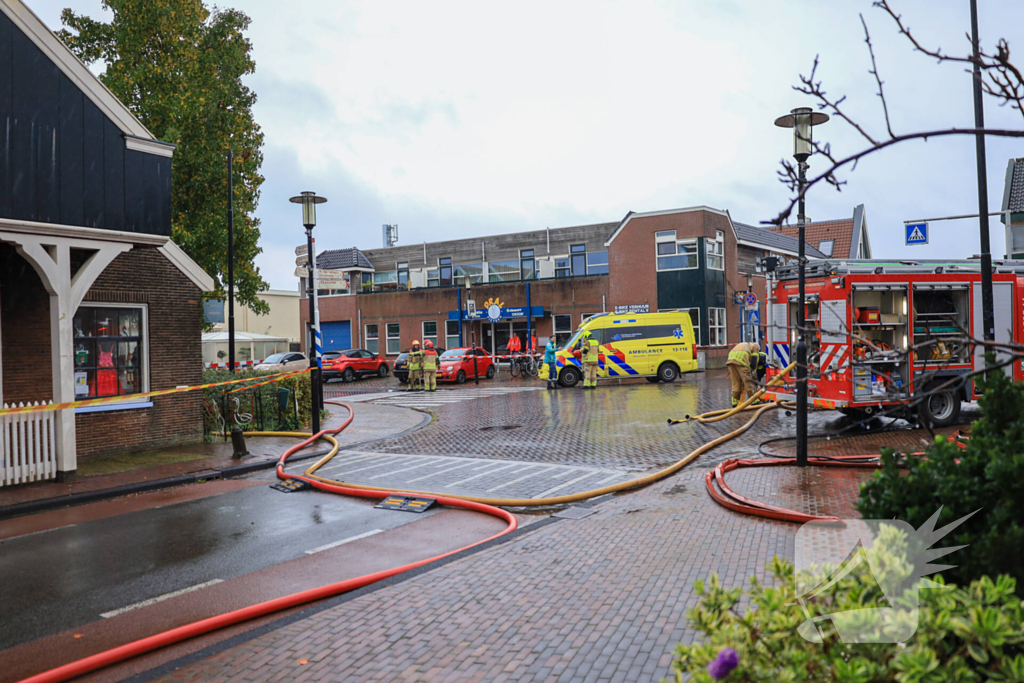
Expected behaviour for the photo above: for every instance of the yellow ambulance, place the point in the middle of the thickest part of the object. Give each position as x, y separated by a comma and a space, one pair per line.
658, 346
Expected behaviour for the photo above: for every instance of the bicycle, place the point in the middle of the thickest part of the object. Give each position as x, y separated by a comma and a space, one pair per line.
523, 364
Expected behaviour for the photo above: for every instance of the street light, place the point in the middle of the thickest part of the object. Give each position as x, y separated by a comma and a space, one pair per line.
802, 120
309, 200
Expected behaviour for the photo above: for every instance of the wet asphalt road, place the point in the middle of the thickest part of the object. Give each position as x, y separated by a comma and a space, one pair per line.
55, 580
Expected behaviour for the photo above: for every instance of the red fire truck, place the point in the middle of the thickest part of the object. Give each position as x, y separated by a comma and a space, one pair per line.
881, 332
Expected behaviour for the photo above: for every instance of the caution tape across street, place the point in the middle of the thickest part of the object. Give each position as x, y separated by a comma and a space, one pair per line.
133, 397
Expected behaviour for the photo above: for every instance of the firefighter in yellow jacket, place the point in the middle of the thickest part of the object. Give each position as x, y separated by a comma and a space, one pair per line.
429, 366
415, 363
590, 352
743, 360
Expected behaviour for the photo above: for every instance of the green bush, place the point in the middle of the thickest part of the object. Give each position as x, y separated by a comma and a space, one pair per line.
987, 476
972, 634
266, 395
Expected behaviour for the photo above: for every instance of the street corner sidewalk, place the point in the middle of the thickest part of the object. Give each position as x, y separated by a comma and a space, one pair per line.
105, 477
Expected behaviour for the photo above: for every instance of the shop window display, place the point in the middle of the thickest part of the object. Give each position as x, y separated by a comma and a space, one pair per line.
108, 351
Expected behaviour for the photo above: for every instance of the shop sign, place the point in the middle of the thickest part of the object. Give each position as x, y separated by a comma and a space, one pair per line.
633, 308
503, 313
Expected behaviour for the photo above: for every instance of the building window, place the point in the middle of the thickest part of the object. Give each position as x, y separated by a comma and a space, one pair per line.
372, 339
430, 332
563, 328
716, 326
677, 255
578, 255
694, 320
385, 279
470, 272
597, 263
367, 282
527, 265
433, 279
445, 266
503, 271
716, 251
826, 247
110, 350
394, 339
665, 236
562, 268
451, 328
403, 275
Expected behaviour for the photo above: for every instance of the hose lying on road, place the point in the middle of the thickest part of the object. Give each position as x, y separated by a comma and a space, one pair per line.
557, 500
749, 404
204, 626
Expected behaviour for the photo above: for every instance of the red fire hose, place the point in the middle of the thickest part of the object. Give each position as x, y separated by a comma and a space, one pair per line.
198, 628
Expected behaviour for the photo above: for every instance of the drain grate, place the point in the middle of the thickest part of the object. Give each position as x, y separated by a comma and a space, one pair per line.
499, 428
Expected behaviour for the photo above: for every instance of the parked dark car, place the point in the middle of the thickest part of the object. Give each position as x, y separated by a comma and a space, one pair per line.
351, 363
401, 370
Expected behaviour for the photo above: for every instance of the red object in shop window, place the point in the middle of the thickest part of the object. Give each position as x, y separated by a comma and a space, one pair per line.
106, 380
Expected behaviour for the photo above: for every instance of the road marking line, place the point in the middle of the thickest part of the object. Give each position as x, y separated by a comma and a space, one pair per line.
339, 461
406, 469
377, 463
439, 472
477, 476
515, 481
343, 541
614, 476
567, 472
545, 494
160, 598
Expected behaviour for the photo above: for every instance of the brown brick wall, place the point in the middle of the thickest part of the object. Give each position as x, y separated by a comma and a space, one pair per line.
573, 296
143, 275
24, 331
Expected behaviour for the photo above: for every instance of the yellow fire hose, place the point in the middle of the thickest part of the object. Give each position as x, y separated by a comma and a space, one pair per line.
713, 416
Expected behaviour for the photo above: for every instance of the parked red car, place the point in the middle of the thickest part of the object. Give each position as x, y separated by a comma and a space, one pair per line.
352, 363
455, 365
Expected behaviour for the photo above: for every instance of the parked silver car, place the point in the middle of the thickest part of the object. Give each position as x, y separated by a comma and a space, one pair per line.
278, 362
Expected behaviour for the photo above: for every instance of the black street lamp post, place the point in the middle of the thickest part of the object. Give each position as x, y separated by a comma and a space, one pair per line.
988, 317
802, 120
309, 200
231, 262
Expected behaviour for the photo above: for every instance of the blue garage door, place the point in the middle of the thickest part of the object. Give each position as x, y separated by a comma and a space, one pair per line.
337, 335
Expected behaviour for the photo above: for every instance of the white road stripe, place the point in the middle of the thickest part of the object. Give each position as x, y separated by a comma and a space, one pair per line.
568, 471
482, 474
607, 479
515, 481
545, 494
434, 474
378, 463
343, 541
160, 598
405, 469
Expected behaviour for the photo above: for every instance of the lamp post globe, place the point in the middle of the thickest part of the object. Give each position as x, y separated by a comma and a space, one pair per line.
802, 120
309, 200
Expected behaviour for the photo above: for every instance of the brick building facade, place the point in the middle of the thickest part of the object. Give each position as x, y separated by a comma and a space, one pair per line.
549, 281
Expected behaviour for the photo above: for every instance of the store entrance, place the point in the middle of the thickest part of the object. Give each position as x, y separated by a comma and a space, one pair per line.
487, 337
502, 333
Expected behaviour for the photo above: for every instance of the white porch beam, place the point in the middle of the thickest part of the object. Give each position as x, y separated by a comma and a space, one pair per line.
50, 257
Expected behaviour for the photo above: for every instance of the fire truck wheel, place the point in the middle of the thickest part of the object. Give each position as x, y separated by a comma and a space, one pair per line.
668, 372
941, 409
569, 377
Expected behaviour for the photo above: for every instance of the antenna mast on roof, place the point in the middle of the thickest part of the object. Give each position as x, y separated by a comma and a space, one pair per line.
390, 235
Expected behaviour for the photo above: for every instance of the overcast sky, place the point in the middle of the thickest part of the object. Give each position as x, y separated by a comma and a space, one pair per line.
458, 119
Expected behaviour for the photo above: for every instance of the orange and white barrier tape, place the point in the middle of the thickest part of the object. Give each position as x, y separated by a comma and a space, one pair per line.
132, 397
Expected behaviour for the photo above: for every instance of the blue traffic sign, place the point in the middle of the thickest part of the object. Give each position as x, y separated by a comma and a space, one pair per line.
754, 317
917, 233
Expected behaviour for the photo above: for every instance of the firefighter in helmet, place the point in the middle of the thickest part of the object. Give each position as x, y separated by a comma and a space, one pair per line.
415, 365
429, 366
742, 363
589, 352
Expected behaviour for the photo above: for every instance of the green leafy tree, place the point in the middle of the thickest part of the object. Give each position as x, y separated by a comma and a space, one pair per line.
179, 68
985, 475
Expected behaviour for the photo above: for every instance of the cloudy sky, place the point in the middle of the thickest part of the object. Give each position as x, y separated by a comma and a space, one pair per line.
455, 119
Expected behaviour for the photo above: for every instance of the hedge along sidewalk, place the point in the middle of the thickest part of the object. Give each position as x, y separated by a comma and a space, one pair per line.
372, 423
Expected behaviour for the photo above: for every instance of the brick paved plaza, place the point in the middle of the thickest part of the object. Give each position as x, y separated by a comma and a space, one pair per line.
602, 598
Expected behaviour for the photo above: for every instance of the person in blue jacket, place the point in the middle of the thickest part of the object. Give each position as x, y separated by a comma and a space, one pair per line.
549, 360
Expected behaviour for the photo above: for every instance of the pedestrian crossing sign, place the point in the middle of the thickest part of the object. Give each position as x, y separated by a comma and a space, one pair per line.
917, 233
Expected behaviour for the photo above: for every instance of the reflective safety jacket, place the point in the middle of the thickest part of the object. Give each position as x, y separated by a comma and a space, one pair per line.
741, 354
591, 351
430, 359
415, 360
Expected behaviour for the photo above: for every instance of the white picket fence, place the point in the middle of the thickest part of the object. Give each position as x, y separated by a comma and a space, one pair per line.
28, 449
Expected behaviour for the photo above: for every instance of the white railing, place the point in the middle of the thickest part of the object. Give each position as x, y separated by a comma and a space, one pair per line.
27, 446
